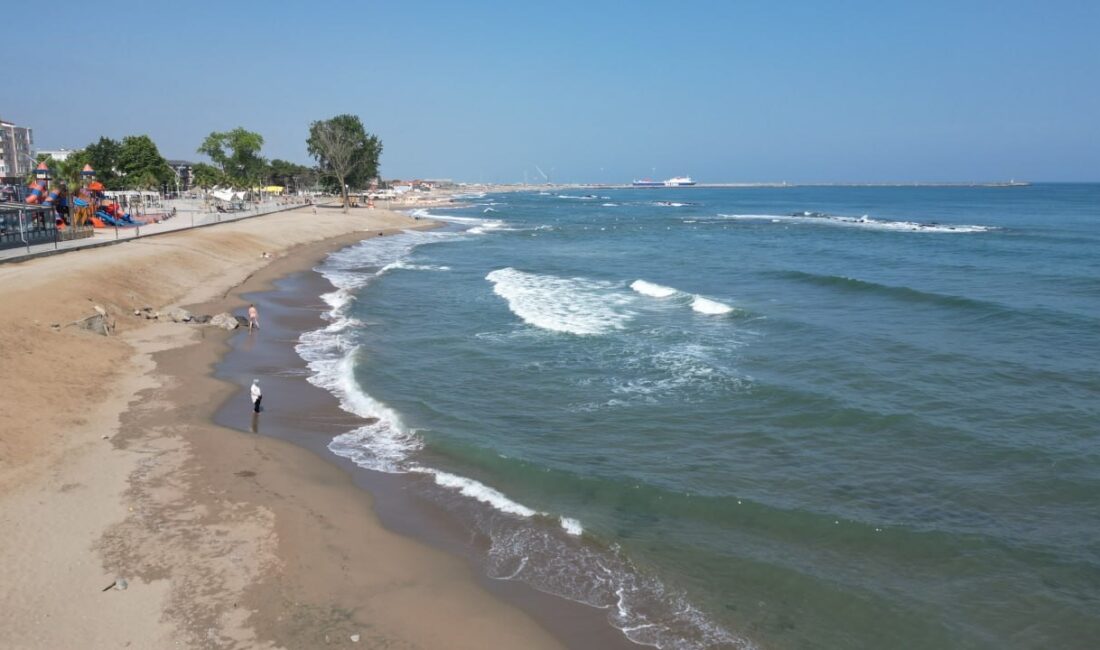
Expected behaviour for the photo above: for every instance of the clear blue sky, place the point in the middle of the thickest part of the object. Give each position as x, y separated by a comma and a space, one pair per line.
594, 91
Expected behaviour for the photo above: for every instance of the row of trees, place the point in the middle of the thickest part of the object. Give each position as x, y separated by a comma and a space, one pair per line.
346, 156
133, 163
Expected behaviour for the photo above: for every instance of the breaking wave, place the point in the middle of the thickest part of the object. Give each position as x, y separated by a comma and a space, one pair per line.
571, 305
652, 290
710, 307
700, 304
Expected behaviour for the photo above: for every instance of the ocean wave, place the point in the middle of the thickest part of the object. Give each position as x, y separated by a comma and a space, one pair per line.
860, 222
652, 290
384, 443
710, 307
700, 304
329, 352
475, 225
571, 526
570, 305
375, 446
487, 226
476, 490
902, 293
407, 266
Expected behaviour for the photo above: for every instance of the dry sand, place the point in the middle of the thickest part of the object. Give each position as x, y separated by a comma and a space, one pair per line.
110, 467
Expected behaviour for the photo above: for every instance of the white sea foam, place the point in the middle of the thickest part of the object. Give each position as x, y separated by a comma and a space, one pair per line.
646, 610
708, 306
699, 303
652, 290
571, 526
572, 305
683, 372
475, 225
864, 222
487, 226
329, 352
610, 205
476, 490
408, 266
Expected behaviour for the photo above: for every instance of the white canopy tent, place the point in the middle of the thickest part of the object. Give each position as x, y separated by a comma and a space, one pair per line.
226, 195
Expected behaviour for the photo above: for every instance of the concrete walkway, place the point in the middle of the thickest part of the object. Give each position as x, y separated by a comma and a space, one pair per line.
189, 214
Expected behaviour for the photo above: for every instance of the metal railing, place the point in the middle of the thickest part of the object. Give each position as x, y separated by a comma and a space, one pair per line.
178, 215
23, 226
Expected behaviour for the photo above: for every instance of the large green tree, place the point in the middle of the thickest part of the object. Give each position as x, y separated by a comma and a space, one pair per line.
141, 164
288, 174
237, 155
103, 156
205, 176
346, 154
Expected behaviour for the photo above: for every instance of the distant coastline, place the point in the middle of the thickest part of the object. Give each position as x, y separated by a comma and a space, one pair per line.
504, 187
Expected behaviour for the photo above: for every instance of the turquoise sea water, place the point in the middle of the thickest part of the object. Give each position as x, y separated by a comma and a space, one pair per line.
874, 425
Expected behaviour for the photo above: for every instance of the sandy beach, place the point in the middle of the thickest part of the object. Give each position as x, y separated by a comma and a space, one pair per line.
111, 468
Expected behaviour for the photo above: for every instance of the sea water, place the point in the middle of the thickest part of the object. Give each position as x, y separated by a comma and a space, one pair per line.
750, 417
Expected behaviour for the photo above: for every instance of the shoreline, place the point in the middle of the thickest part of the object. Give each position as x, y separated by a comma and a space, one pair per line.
308, 417
110, 470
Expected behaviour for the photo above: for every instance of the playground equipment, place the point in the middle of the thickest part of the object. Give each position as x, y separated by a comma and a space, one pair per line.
39, 192
35, 191
90, 206
87, 206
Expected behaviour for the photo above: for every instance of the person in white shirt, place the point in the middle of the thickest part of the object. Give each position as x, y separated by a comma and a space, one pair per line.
257, 395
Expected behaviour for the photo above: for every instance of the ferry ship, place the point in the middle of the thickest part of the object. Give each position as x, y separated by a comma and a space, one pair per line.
676, 181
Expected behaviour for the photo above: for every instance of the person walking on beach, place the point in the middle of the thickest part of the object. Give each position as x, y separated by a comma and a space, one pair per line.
253, 318
257, 395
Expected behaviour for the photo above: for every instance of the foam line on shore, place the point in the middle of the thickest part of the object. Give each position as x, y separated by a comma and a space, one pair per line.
385, 444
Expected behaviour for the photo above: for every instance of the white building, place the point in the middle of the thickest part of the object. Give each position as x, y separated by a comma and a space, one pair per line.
16, 144
60, 155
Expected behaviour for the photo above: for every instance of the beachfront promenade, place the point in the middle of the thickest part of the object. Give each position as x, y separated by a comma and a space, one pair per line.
190, 213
